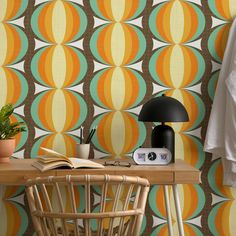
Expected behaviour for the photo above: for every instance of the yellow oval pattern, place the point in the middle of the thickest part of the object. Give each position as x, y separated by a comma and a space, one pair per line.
59, 110
117, 10
118, 44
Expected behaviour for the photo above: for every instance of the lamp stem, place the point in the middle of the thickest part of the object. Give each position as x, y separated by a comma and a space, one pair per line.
163, 136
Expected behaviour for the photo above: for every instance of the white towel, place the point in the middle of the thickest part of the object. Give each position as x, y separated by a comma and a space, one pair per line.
221, 131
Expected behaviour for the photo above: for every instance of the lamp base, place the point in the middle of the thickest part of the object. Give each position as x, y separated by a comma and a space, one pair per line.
163, 136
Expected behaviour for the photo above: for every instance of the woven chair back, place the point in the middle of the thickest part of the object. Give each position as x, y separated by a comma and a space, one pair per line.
108, 205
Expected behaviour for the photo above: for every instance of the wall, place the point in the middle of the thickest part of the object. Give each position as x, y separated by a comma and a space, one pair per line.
70, 63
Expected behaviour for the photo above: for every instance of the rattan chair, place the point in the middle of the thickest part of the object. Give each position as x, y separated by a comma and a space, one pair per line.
104, 205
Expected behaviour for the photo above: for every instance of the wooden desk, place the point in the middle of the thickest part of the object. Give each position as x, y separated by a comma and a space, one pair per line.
18, 171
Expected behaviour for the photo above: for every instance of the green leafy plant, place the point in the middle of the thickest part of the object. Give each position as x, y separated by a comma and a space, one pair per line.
9, 129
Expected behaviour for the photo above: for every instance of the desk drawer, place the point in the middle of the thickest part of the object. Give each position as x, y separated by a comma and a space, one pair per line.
13, 180
160, 177
188, 177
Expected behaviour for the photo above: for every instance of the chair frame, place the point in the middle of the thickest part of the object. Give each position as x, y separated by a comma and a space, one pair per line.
44, 221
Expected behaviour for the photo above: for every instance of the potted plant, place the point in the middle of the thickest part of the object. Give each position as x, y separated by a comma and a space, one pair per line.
8, 130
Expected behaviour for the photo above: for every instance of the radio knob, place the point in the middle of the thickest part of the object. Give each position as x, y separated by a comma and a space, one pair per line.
152, 156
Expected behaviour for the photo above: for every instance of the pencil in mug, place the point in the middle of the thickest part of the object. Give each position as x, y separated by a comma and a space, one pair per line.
81, 134
90, 136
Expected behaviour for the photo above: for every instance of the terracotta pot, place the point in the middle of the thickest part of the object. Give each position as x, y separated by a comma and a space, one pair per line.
7, 147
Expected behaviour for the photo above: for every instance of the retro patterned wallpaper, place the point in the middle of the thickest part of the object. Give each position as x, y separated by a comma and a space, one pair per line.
70, 63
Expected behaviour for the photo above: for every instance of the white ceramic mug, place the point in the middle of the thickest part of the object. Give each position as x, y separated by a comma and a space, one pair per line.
83, 150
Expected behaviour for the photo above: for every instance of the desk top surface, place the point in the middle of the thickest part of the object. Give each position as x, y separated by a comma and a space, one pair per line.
17, 171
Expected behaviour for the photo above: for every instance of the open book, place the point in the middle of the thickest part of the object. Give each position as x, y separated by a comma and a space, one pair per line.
53, 159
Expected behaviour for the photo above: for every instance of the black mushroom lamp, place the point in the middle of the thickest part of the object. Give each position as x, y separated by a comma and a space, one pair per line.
163, 109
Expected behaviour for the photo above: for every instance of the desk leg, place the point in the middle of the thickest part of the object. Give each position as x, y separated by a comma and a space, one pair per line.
168, 213
178, 210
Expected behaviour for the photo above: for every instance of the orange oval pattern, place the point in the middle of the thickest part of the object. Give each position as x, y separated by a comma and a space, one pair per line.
59, 67
105, 9
120, 44
14, 89
176, 22
47, 26
121, 38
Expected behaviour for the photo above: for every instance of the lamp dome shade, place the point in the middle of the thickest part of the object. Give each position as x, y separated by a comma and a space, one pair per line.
163, 109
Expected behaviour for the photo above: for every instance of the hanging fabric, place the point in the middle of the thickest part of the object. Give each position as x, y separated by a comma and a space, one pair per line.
221, 131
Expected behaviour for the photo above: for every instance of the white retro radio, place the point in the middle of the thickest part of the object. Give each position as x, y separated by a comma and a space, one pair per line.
152, 156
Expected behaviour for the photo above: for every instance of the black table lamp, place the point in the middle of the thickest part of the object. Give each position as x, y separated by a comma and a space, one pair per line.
163, 109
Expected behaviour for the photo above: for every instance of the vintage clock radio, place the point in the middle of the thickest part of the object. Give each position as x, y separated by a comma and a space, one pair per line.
152, 156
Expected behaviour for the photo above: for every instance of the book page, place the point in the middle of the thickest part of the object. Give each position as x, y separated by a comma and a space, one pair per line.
52, 153
43, 167
53, 159
78, 163
48, 159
